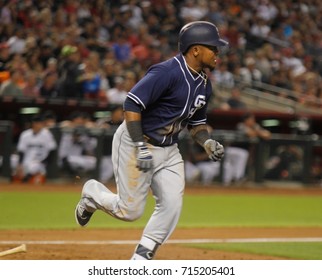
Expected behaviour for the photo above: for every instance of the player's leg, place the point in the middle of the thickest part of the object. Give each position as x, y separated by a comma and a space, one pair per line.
35, 171
88, 163
132, 185
167, 187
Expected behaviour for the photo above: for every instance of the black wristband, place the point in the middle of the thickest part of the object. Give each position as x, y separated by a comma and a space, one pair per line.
201, 136
135, 131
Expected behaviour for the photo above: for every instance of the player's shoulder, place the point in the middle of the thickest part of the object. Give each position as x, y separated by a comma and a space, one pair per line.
168, 67
26, 133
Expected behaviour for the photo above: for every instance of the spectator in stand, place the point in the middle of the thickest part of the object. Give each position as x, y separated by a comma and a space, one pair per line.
122, 48
32, 88
7, 14
130, 79
260, 28
51, 66
191, 11
233, 36
293, 64
222, 77
234, 101
94, 84
49, 87
117, 95
266, 10
38, 32
12, 87
33, 61
215, 14
263, 65
111, 69
131, 14
249, 74
5, 59
142, 51
17, 42
69, 72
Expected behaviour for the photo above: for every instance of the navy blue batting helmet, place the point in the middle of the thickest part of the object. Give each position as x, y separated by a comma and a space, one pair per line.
199, 33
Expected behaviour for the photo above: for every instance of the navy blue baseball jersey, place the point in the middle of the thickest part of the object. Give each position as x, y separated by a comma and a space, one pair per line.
171, 98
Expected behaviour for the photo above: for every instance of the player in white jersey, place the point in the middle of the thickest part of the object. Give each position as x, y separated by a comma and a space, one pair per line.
35, 146
77, 151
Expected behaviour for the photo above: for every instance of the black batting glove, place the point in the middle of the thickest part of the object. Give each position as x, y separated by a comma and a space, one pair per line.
144, 159
214, 149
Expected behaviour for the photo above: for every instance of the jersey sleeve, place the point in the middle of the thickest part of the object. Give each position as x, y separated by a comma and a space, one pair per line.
200, 117
150, 87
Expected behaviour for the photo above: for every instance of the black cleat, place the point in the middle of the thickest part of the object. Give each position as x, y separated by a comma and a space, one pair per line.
81, 214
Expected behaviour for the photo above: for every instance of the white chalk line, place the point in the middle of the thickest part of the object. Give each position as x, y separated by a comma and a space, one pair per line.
172, 241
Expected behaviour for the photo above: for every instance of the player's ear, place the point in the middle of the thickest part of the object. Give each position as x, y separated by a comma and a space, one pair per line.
195, 50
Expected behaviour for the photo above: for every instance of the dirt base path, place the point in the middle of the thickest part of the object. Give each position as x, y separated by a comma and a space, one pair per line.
95, 244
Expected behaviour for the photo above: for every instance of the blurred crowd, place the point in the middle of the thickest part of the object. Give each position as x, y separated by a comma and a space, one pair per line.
98, 49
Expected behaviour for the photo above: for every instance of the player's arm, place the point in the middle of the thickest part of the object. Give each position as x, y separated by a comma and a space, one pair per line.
133, 123
200, 134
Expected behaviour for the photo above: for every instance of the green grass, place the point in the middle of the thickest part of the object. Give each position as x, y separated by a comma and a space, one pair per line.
252, 211
55, 210
300, 250
32, 210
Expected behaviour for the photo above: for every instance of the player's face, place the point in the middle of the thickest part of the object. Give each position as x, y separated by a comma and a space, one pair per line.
37, 126
209, 57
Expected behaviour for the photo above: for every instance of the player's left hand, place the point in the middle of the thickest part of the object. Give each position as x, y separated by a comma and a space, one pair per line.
144, 158
214, 149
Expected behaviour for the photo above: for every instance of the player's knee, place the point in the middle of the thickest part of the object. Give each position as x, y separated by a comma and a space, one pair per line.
132, 213
132, 216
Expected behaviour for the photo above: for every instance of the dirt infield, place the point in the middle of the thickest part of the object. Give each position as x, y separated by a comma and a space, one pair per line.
111, 244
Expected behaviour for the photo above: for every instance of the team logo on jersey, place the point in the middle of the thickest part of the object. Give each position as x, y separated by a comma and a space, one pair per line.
200, 101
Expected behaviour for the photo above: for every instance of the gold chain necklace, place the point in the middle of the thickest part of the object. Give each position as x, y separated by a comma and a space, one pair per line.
203, 76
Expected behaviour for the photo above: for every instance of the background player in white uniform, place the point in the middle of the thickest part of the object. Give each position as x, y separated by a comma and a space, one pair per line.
171, 96
77, 151
34, 148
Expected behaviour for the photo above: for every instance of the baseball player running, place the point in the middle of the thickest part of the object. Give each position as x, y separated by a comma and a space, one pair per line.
171, 96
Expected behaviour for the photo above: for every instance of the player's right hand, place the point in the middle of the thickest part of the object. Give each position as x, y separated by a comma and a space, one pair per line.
144, 160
